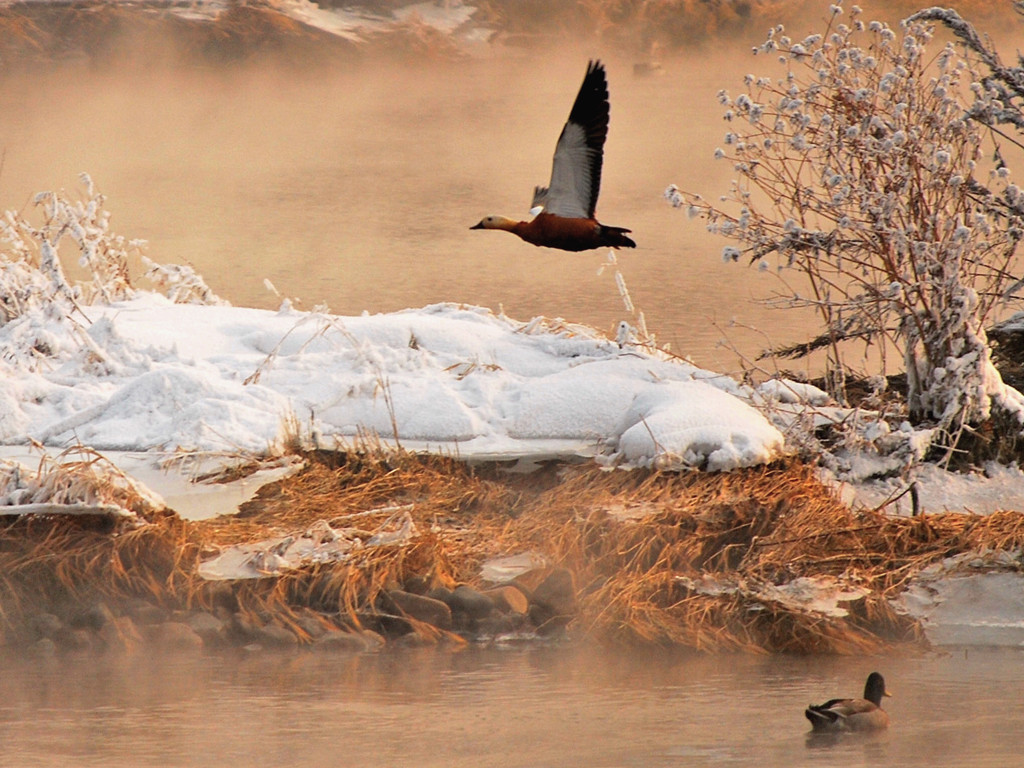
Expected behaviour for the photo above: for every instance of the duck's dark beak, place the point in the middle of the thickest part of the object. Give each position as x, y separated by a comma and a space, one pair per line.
478, 226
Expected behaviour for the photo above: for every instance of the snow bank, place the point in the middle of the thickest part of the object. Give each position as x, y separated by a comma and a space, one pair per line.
150, 375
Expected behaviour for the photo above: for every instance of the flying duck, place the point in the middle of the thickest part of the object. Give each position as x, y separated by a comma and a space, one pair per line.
565, 208
852, 714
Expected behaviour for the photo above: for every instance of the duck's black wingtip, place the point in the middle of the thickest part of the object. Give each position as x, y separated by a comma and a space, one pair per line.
590, 109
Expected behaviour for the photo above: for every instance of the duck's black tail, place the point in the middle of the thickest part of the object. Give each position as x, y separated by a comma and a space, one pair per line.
821, 717
615, 237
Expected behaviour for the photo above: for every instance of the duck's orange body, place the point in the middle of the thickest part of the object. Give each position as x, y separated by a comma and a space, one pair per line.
567, 221
570, 234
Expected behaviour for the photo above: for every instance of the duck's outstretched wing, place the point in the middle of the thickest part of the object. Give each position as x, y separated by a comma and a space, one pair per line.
579, 154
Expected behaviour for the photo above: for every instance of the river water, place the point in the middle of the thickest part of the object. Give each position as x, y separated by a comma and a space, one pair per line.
356, 188
539, 706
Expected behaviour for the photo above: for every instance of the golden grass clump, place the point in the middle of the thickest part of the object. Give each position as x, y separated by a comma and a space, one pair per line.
456, 513
711, 562
637, 542
62, 563
740, 534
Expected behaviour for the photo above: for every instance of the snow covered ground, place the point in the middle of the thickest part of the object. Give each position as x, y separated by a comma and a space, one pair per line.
150, 375
145, 379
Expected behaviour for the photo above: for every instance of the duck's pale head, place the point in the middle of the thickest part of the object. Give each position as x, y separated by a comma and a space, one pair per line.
495, 222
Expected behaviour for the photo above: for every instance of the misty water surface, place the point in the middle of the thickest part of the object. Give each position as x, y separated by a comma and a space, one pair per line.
356, 189
540, 706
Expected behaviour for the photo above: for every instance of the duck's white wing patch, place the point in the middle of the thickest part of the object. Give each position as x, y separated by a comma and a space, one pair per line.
540, 200
570, 191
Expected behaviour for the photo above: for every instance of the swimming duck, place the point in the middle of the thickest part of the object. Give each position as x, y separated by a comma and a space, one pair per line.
565, 208
852, 714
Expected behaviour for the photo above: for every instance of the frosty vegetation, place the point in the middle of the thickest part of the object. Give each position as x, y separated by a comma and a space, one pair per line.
32, 274
879, 170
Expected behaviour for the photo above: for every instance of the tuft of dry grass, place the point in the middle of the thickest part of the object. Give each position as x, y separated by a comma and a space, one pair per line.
65, 561
629, 537
686, 559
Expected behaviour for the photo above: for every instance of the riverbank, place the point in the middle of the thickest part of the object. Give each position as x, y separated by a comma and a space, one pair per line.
362, 549
603, 486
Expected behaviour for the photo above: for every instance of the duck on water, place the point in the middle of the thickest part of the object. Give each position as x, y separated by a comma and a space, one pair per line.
852, 714
566, 218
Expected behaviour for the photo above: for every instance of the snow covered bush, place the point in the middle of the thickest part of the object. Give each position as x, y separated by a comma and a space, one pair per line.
181, 284
865, 169
32, 274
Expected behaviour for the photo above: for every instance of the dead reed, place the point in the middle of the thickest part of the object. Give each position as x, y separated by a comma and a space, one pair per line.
687, 559
629, 537
64, 562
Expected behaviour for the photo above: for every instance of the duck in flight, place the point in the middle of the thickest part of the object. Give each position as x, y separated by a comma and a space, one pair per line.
852, 714
566, 206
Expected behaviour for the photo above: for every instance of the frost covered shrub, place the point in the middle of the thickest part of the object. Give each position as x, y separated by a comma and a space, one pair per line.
32, 274
181, 283
862, 168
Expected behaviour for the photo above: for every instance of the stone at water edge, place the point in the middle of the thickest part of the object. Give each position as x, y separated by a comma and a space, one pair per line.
313, 627
273, 636
175, 636
345, 642
93, 617
46, 625
554, 590
43, 647
509, 599
120, 635
473, 603
74, 639
144, 612
204, 624
422, 608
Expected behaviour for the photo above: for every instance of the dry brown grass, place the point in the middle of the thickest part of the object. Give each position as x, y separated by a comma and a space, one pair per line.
751, 527
637, 543
105, 33
73, 561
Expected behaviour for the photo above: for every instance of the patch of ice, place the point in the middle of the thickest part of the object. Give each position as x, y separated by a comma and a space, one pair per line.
997, 487
320, 543
974, 598
822, 594
500, 570
788, 391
